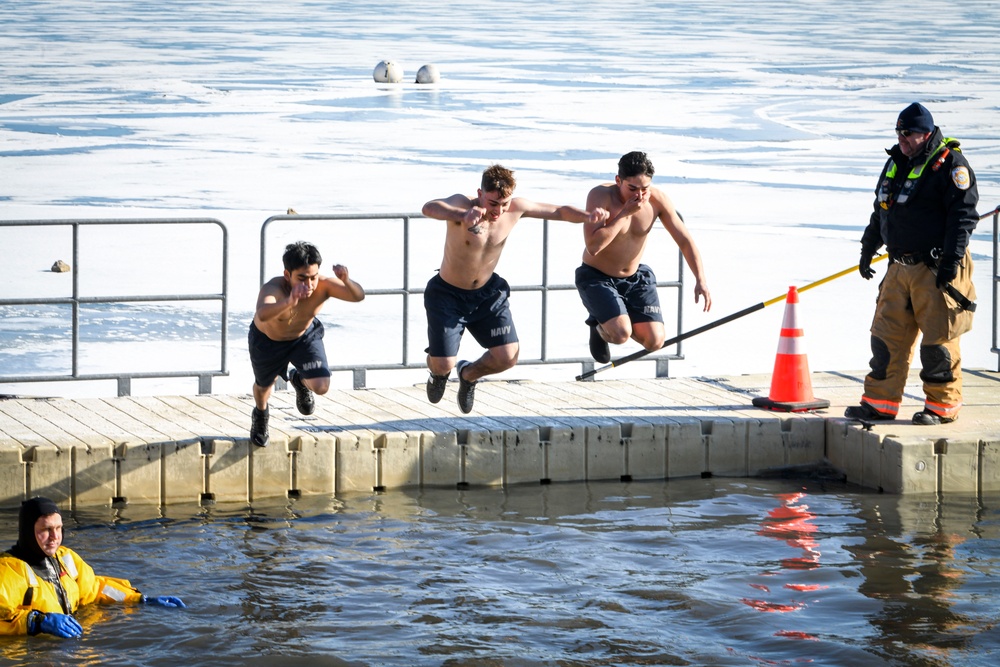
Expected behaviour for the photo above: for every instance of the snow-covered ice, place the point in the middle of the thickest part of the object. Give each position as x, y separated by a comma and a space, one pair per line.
766, 122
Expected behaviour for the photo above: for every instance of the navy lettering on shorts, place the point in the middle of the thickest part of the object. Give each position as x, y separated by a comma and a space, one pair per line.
606, 297
270, 358
485, 312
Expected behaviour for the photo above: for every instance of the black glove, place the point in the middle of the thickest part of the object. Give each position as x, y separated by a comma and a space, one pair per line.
947, 271
865, 266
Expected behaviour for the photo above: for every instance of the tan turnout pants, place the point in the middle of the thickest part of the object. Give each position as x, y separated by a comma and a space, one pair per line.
909, 303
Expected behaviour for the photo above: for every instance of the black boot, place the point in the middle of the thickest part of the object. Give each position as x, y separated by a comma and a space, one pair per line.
928, 418
866, 413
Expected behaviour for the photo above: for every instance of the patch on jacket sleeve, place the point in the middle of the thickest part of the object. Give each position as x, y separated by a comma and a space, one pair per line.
960, 177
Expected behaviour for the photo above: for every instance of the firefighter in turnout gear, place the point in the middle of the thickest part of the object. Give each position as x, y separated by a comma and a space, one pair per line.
925, 212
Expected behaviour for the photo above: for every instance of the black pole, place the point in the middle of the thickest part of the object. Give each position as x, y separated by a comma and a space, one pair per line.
724, 320
675, 339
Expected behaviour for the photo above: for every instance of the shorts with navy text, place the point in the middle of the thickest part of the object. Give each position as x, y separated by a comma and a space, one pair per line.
606, 297
270, 358
485, 312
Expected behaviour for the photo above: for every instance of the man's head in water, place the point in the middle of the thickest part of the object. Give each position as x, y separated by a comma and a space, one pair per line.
39, 530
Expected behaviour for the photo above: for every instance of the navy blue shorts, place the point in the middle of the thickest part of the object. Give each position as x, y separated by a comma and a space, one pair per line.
485, 312
270, 358
606, 297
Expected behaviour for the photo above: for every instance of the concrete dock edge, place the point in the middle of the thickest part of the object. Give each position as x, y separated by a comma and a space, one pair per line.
167, 450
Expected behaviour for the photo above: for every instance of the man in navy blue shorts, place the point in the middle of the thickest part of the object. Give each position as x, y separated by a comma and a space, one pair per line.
617, 290
285, 331
466, 293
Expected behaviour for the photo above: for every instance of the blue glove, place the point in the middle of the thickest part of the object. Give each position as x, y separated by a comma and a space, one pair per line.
164, 601
60, 625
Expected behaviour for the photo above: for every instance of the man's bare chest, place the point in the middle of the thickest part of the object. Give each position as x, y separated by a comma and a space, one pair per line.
486, 237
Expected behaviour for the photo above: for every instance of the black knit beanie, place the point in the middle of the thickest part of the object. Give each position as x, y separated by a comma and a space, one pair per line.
916, 118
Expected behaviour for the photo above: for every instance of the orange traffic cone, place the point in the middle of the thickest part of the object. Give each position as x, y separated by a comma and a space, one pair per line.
791, 388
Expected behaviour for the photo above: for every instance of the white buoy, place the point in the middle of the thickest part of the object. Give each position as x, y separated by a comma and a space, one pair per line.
388, 72
428, 74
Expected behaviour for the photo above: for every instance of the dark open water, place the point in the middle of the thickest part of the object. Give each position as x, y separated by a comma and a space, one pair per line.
690, 572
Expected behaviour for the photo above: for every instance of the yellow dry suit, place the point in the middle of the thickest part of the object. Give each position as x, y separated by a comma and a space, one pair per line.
22, 590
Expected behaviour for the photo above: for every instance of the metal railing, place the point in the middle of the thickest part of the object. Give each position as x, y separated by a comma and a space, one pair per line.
996, 278
75, 300
407, 291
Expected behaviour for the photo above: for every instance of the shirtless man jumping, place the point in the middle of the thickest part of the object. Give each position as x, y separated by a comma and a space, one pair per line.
619, 292
466, 293
285, 330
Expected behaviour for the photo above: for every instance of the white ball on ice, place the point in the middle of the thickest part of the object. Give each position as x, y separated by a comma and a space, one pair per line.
388, 72
428, 74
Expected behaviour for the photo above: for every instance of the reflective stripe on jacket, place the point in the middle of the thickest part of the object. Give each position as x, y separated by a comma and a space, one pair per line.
885, 194
924, 203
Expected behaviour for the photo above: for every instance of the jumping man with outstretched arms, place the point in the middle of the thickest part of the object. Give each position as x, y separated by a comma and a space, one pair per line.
466, 293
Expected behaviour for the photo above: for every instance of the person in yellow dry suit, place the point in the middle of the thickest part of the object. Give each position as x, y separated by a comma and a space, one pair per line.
42, 582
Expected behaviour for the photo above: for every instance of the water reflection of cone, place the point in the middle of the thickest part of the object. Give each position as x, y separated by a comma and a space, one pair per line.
791, 387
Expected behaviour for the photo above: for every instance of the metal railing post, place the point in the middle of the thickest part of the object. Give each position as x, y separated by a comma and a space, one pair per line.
545, 291
75, 354
224, 318
996, 281
406, 289
680, 307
